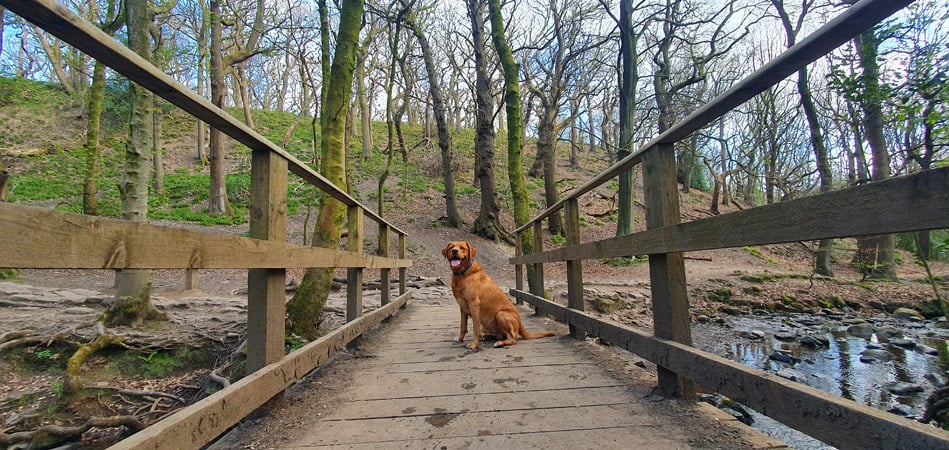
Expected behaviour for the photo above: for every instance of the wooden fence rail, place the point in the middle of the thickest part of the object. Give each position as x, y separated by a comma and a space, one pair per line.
910, 203
36, 238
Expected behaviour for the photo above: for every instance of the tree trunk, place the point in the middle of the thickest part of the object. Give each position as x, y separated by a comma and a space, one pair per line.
217, 203
823, 257
512, 102
134, 286
545, 150
90, 188
365, 118
628, 78
875, 255
441, 123
488, 223
306, 306
158, 151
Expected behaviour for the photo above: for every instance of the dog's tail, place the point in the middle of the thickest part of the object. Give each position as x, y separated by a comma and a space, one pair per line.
539, 334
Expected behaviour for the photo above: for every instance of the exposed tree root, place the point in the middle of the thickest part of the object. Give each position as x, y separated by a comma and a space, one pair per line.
75, 361
61, 432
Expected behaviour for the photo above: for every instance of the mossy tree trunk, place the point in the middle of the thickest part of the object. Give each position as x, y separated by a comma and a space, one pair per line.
512, 106
306, 306
93, 153
108, 24
136, 284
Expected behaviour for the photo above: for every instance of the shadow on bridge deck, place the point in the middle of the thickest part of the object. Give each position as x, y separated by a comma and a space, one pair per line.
410, 385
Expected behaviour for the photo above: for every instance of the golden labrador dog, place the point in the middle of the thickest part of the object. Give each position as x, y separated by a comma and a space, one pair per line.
480, 298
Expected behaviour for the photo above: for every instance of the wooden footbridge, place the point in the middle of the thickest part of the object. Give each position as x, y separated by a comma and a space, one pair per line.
490, 384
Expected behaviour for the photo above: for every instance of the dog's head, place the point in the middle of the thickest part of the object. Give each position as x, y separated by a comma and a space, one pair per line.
459, 254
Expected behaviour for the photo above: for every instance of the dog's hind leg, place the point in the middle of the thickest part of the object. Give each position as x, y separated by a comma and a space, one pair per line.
508, 326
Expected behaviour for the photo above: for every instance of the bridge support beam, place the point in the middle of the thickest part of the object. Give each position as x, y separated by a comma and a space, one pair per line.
670, 300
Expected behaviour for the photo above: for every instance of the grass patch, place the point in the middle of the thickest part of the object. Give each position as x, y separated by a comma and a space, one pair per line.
625, 261
160, 364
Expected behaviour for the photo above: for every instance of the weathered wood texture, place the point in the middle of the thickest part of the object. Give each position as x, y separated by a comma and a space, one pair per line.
913, 202
421, 389
831, 35
196, 425
670, 301
42, 239
831, 419
59, 21
266, 291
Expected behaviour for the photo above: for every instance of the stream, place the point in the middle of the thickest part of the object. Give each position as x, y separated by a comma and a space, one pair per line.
888, 363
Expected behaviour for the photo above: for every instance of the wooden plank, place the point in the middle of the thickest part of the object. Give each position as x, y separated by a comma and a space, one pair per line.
37, 238
670, 300
480, 381
834, 420
592, 438
461, 363
199, 423
912, 202
266, 288
851, 22
401, 406
59, 21
471, 424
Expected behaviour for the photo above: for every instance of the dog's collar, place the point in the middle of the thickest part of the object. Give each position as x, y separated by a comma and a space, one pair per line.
458, 274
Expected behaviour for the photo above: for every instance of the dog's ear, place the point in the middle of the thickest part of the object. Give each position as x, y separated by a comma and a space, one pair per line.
471, 250
446, 250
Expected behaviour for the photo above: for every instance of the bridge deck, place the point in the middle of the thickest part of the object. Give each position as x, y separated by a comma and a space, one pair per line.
412, 386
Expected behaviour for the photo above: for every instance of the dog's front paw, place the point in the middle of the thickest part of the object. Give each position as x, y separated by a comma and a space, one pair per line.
472, 346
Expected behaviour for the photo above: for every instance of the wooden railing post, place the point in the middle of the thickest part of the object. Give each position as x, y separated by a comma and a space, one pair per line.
518, 268
266, 288
402, 270
538, 287
354, 274
384, 272
670, 300
574, 267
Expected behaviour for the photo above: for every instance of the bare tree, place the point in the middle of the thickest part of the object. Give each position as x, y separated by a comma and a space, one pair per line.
791, 29
439, 111
559, 68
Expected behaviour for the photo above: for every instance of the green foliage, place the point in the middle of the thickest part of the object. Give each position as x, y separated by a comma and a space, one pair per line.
753, 251
416, 182
625, 261
700, 179
159, 364
558, 239
186, 197
293, 342
37, 96
938, 244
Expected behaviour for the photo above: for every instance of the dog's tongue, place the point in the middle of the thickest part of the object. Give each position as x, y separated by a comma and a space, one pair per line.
455, 262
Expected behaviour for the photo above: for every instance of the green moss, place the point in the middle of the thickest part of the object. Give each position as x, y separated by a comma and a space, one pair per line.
608, 305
